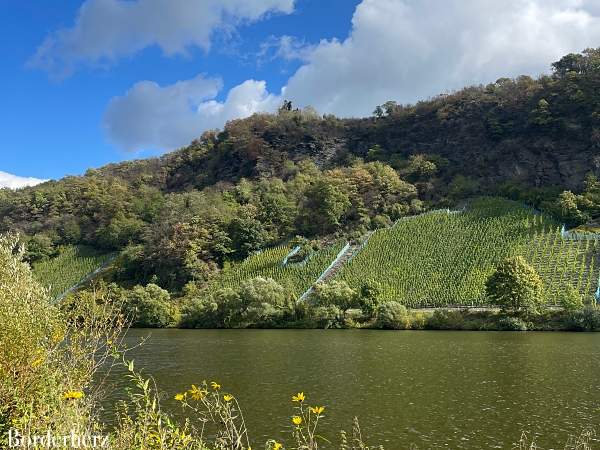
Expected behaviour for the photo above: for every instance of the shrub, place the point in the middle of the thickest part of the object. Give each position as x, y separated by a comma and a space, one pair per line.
392, 316
586, 319
327, 316
336, 293
151, 307
262, 290
444, 319
511, 324
515, 285
571, 299
370, 298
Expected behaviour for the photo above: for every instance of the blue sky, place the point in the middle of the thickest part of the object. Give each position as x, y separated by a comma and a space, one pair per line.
51, 127
90, 82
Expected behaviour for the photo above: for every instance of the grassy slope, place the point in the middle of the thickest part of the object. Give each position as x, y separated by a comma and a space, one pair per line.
68, 268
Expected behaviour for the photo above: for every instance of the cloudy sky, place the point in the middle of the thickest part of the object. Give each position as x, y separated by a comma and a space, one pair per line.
96, 81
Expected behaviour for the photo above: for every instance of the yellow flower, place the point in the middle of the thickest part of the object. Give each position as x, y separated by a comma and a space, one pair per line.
297, 420
299, 397
216, 386
38, 362
180, 397
317, 410
197, 393
277, 446
228, 397
73, 395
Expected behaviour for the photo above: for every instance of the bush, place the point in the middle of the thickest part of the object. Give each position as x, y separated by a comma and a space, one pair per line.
151, 307
511, 324
336, 293
327, 316
586, 319
370, 298
443, 319
515, 285
571, 299
392, 316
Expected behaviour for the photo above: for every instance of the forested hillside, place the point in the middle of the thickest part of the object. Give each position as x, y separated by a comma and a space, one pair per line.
265, 180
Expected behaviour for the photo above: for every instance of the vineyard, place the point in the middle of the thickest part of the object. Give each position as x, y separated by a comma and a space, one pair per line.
442, 257
68, 268
296, 278
561, 262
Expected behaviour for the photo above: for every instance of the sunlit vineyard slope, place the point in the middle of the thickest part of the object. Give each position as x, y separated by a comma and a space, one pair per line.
70, 267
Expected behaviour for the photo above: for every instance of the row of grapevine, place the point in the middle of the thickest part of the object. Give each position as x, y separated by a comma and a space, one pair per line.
444, 259
561, 262
296, 278
67, 269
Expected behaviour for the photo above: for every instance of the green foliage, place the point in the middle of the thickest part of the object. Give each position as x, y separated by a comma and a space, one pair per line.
295, 278
571, 299
515, 285
442, 259
151, 306
72, 264
510, 323
393, 316
336, 293
586, 319
370, 297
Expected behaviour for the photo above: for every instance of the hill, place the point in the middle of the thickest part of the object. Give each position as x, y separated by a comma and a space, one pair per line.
186, 219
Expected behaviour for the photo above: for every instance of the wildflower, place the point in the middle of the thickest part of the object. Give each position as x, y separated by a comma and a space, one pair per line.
299, 397
180, 397
196, 393
317, 410
277, 446
73, 395
216, 386
297, 420
38, 362
228, 397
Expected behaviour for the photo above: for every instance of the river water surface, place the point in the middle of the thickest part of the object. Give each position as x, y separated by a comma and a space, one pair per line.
434, 389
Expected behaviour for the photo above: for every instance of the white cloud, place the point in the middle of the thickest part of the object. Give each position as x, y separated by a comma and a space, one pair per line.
401, 50
11, 181
149, 116
409, 50
288, 48
108, 29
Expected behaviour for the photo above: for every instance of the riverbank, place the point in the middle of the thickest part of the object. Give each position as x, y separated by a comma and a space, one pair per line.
397, 317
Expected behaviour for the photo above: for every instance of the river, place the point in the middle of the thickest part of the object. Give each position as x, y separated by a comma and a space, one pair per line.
434, 389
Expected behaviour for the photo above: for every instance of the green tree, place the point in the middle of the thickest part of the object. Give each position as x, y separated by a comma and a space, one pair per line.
324, 205
370, 298
515, 285
336, 293
392, 316
151, 306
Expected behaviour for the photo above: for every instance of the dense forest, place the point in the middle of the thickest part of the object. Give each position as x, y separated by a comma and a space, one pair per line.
298, 176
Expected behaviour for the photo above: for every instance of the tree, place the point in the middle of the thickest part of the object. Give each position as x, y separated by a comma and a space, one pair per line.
392, 316
515, 285
247, 234
324, 205
370, 297
151, 307
336, 293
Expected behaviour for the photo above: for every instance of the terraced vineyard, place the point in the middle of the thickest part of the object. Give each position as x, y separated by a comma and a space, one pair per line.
296, 278
443, 258
562, 262
67, 269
